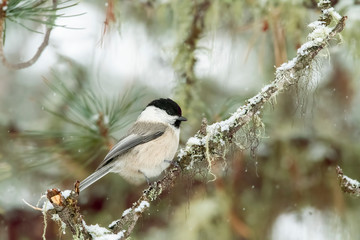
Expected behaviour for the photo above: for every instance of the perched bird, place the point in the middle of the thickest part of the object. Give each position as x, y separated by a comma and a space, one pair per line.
147, 149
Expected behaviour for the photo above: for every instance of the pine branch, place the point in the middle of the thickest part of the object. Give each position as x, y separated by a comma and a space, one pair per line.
38, 53
85, 118
31, 11
213, 138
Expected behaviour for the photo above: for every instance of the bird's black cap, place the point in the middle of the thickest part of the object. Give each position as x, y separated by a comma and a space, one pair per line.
168, 105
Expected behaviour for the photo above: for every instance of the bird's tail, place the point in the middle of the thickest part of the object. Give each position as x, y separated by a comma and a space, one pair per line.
99, 173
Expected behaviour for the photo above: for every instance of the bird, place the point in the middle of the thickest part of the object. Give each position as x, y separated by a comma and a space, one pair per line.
147, 149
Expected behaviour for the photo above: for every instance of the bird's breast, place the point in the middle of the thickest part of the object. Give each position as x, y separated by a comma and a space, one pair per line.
150, 158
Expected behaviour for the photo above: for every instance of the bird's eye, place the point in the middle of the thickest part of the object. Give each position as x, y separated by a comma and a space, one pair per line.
177, 123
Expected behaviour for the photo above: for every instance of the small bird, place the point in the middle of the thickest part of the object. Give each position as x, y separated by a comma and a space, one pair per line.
147, 149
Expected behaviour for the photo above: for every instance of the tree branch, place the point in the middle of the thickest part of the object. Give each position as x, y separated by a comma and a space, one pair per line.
347, 184
65, 205
185, 59
213, 138
43, 45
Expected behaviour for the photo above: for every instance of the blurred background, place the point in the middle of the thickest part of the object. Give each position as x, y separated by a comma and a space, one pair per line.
107, 59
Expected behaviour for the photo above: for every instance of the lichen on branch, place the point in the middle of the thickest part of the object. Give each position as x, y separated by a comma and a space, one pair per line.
66, 207
348, 185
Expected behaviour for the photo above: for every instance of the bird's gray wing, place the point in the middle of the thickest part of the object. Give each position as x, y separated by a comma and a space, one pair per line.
137, 135
126, 144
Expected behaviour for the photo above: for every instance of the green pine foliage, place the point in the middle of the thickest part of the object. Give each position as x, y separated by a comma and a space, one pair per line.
39, 11
84, 120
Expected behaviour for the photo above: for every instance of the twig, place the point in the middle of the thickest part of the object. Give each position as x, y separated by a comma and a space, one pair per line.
110, 19
43, 45
33, 207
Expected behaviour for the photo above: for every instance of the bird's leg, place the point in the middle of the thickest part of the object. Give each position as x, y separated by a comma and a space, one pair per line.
147, 179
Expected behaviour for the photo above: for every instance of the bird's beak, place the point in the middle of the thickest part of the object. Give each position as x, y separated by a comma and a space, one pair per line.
182, 119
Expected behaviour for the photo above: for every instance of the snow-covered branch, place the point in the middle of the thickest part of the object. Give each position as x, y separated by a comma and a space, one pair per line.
63, 208
211, 139
347, 184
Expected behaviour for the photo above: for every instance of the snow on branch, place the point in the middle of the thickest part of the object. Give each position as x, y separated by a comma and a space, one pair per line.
63, 209
210, 138
347, 184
